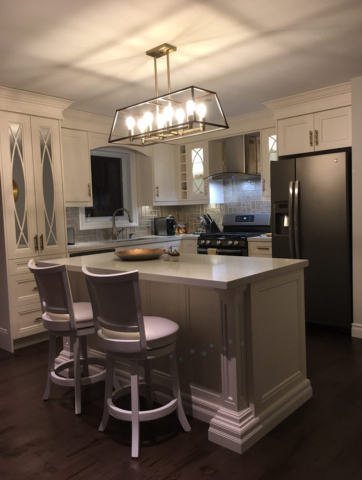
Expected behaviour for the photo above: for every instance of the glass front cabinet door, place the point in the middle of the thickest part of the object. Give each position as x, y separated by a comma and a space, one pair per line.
48, 186
32, 198
197, 155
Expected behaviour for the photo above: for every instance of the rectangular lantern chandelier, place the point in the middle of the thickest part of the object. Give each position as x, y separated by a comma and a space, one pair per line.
184, 113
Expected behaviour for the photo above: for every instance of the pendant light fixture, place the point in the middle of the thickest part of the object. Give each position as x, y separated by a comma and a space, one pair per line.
183, 113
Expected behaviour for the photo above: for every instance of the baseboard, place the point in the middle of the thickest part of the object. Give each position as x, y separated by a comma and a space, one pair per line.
356, 330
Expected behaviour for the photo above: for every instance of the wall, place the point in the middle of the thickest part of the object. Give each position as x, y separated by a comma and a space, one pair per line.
356, 204
241, 196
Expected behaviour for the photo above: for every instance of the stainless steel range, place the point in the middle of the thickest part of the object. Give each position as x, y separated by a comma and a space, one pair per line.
233, 240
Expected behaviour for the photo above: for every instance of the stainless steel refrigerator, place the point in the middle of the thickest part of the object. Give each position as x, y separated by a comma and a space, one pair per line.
311, 218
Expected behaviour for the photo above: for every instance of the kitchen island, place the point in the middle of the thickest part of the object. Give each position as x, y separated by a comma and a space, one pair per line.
241, 344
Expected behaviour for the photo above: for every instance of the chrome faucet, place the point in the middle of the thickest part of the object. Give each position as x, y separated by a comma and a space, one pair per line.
130, 219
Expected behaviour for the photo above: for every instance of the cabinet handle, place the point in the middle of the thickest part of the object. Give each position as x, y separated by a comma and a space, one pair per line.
315, 137
89, 190
36, 246
263, 184
41, 242
38, 319
310, 138
157, 191
263, 248
35, 289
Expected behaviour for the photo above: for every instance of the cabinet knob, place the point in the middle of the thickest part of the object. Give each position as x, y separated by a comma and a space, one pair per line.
310, 138
315, 137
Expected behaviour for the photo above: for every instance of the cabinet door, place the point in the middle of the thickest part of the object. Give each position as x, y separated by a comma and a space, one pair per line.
197, 165
18, 185
295, 135
164, 173
268, 154
48, 185
333, 129
77, 168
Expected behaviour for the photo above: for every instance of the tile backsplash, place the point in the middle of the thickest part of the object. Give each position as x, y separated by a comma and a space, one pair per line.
240, 196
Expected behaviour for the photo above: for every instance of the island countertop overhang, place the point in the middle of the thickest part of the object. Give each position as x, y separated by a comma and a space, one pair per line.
211, 271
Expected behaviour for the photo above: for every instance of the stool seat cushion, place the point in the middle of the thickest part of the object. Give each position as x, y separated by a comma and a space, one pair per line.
159, 331
83, 313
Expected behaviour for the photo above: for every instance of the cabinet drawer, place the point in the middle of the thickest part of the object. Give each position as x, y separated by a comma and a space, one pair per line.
26, 321
189, 246
20, 265
23, 290
260, 249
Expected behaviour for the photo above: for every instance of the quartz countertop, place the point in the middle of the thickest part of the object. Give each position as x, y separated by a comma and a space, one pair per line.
213, 271
104, 244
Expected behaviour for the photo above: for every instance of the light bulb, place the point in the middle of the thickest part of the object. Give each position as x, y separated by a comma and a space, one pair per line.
180, 115
190, 107
160, 120
131, 122
148, 119
141, 125
201, 111
168, 113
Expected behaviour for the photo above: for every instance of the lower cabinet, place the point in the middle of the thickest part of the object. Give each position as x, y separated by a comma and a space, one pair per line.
260, 248
188, 245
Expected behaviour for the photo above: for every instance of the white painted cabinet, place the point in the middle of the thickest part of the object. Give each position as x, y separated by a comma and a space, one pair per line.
188, 245
268, 153
315, 132
32, 186
164, 175
260, 247
77, 168
197, 168
31, 209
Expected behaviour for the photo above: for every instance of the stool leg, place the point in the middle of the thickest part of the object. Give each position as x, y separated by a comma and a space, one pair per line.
107, 392
147, 367
83, 342
177, 394
77, 384
51, 361
135, 410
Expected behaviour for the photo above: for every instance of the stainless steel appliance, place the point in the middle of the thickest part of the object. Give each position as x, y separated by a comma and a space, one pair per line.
70, 236
311, 219
165, 225
233, 240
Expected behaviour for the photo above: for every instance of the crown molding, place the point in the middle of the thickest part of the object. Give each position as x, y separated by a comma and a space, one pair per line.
21, 101
313, 101
90, 122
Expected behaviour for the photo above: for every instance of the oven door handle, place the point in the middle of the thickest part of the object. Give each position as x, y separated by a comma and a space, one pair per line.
228, 252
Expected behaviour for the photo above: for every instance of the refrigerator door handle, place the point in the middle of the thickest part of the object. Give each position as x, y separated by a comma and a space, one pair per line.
296, 218
291, 219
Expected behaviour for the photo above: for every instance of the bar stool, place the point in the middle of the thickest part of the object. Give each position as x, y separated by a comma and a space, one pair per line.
125, 334
63, 318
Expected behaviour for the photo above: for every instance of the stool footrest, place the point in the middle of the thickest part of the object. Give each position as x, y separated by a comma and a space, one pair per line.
90, 379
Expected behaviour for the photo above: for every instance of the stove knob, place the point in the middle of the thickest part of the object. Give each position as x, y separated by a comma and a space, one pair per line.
202, 242
218, 242
208, 242
236, 242
230, 242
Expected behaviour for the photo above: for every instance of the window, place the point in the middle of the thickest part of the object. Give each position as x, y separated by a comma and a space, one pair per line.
113, 187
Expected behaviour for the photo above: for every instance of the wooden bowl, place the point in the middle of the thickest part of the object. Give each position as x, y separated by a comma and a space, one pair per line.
140, 254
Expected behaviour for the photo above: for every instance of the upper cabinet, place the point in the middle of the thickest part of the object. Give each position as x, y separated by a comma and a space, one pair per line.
164, 174
268, 153
77, 168
197, 168
315, 132
32, 185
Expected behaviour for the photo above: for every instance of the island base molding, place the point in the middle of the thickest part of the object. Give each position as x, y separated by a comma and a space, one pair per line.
239, 431
356, 330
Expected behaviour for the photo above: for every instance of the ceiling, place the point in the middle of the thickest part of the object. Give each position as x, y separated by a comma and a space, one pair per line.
249, 52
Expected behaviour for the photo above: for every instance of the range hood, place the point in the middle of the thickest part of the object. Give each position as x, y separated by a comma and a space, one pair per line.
234, 157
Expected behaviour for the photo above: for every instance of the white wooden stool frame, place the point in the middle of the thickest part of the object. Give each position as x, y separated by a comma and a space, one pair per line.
128, 318
56, 298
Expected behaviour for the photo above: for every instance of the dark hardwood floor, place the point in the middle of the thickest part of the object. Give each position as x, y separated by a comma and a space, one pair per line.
45, 440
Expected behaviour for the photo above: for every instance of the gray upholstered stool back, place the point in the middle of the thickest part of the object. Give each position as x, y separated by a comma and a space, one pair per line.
55, 294
116, 303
